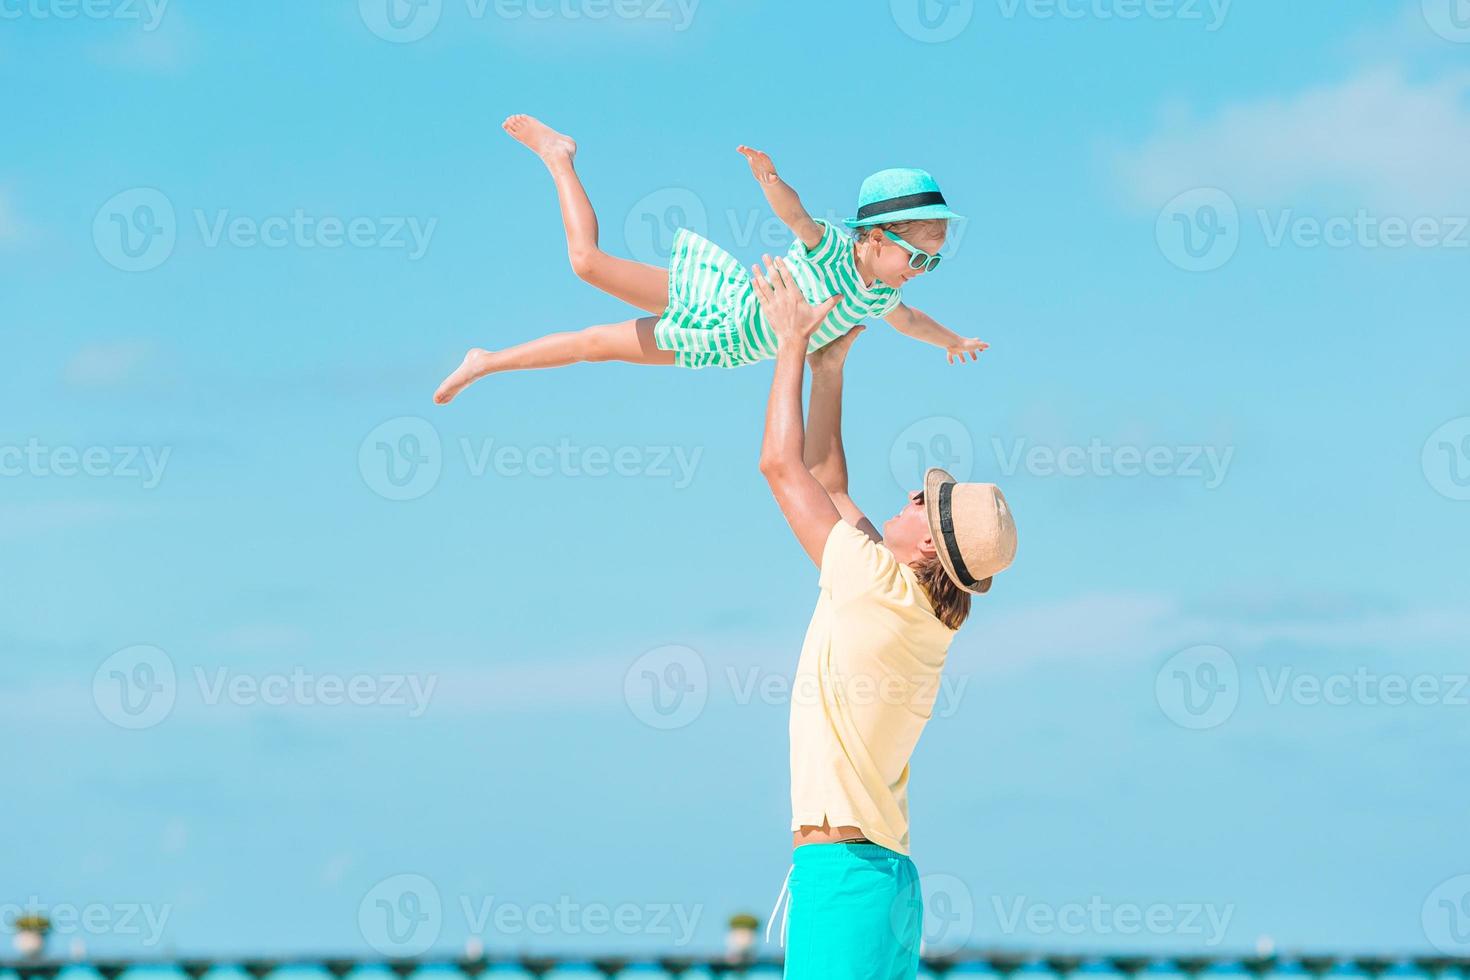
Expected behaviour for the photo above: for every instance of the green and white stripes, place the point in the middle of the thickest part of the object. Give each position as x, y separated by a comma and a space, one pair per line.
713, 319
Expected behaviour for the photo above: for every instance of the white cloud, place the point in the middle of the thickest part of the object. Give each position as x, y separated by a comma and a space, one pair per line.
1388, 143
336, 869
1120, 633
175, 836
107, 365
1122, 626
165, 47
45, 516
12, 230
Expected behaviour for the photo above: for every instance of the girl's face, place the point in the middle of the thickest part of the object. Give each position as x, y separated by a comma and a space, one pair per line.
889, 261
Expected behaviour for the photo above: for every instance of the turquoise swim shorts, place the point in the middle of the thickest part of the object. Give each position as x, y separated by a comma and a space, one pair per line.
856, 913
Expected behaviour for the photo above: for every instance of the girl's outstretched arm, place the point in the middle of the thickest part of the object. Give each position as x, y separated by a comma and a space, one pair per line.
783, 199
921, 326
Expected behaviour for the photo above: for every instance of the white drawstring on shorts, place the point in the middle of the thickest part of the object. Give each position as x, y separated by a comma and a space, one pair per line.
785, 896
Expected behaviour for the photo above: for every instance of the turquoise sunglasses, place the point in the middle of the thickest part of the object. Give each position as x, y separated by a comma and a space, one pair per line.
918, 258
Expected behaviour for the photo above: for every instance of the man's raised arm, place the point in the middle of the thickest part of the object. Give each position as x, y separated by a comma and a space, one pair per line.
802, 499
824, 453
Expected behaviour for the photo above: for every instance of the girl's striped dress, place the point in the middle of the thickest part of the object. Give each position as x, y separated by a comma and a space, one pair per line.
714, 320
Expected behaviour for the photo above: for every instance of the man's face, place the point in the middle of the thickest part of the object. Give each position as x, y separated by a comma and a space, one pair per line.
907, 533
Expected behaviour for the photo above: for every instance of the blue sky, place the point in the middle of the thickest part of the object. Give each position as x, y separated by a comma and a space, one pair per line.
1238, 458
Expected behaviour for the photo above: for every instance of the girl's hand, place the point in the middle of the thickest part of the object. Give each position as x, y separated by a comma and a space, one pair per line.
790, 315
760, 164
966, 345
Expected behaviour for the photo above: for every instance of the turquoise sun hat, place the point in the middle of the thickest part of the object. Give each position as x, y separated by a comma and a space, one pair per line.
900, 194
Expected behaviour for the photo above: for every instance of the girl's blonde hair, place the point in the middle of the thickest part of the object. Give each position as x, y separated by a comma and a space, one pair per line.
904, 229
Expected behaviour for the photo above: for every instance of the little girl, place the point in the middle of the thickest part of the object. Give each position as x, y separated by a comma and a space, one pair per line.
705, 305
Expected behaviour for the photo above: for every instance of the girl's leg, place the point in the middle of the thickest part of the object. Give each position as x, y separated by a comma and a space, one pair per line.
644, 286
630, 341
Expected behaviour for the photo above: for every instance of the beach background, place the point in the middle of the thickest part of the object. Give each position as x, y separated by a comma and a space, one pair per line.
290, 651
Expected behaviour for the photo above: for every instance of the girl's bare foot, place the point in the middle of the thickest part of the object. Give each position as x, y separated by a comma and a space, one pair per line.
476, 365
552, 147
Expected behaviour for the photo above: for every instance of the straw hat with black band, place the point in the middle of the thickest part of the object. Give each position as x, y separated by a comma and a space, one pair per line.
972, 528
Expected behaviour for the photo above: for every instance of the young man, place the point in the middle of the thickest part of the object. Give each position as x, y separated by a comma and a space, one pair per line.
889, 606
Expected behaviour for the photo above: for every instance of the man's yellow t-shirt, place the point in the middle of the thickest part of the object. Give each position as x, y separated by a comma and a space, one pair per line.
865, 687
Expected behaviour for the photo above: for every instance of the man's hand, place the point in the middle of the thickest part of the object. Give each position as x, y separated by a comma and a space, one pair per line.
834, 355
966, 345
792, 318
761, 166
